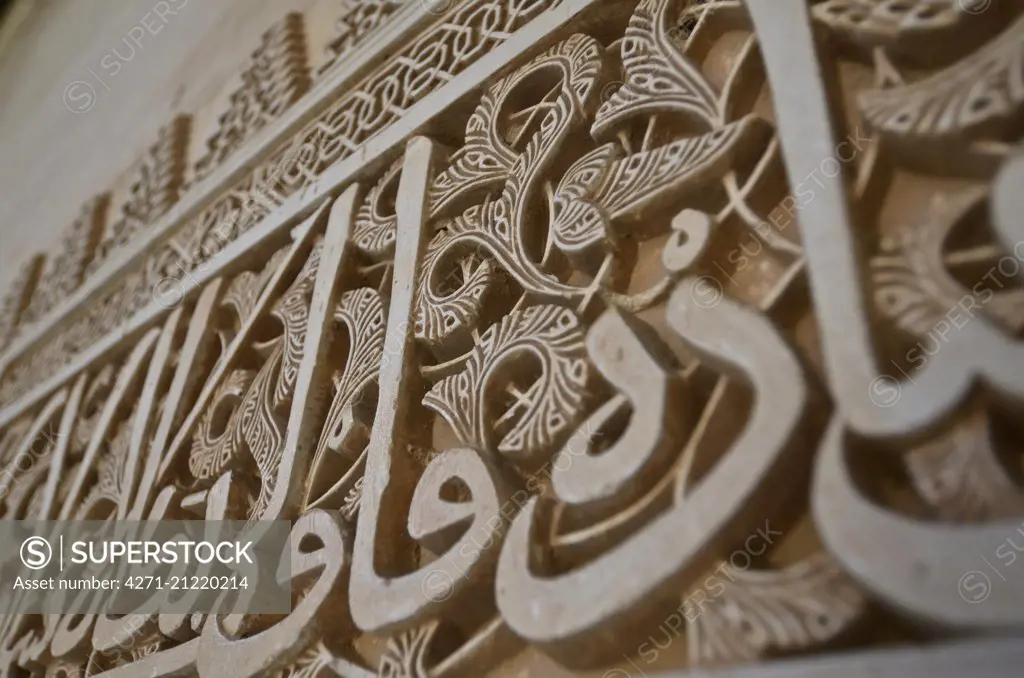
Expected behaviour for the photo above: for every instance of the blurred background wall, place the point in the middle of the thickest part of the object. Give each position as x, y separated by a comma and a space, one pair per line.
72, 122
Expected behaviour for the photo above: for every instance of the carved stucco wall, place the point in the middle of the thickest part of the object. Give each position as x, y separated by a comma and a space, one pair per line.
51, 136
594, 339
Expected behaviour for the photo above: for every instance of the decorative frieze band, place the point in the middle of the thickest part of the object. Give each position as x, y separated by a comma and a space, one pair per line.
560, 338
278, 77
439, 53
64, 273
18, 298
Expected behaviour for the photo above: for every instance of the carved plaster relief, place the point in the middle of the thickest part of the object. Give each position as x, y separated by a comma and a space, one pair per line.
65, 271
18, 298
684, 338
276, 78
157, 182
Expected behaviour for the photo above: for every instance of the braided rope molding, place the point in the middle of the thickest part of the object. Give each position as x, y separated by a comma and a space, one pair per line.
344, 73
372, 155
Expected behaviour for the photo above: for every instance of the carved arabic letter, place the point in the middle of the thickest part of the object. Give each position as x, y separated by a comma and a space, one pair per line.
657, 400
931, 571
560, 613
318, 559
827, 225
309, 406
395, 602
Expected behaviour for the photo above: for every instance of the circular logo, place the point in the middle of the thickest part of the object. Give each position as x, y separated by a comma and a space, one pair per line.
975, 587
884, 391
438, 586
975, 6
437, 7
36, 553
706, 292
79, 96
168, 292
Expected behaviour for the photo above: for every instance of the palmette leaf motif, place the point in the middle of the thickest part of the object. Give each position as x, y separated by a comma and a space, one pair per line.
109, 473
978, 96
887, 21
606, 184
496, 234
310, 664
249, 432
658, 76
212, 450
810, 602
915, 288
549, 335
361, 312
376, 226
245, 288
442, 313
406, 654
485, 158
960, 475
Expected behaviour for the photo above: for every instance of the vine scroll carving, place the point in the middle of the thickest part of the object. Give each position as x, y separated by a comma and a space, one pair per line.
678, 335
